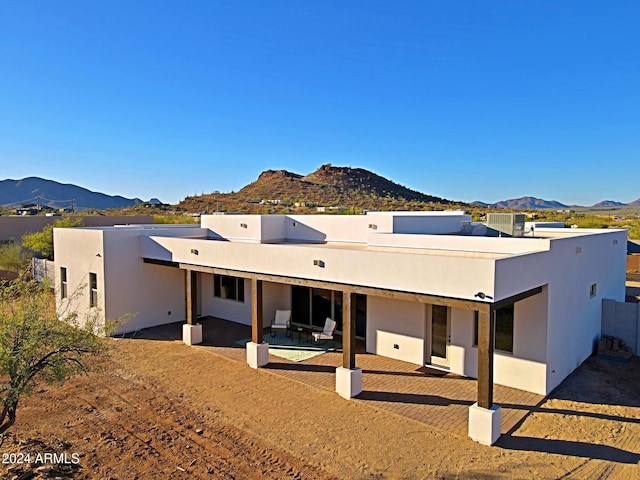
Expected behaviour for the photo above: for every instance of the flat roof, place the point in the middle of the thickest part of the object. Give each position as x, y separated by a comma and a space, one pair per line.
360, 246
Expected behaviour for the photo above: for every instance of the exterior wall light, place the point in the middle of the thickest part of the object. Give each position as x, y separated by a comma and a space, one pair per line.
373, 226
318, 263
243, 225
194, 251
482, 296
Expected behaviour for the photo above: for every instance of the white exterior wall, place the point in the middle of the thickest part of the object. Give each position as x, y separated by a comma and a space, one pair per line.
126, 286
463, 356
396, 322
275, 297
231, 227
225, 308
573, 319
81, 252
420, 224
152, 294
390, 270
330, 228
273, 228
526, 367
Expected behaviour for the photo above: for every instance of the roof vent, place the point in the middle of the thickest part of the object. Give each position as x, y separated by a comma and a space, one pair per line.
505, 224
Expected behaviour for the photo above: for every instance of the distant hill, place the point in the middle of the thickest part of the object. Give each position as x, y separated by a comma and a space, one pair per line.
327, 186
34, 190
609, 203
526, 203
529, 203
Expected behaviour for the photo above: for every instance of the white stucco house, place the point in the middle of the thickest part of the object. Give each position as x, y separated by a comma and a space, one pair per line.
430, 288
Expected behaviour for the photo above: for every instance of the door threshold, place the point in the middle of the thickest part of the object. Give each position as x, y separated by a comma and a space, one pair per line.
438, 367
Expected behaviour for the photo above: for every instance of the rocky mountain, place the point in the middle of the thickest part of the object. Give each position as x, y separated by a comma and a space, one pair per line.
39, 191
328, 186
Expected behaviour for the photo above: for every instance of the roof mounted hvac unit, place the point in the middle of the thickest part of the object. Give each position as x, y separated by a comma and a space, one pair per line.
505, 224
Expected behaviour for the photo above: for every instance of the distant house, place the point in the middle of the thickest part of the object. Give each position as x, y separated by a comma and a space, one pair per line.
427, 288
32, 209
24, 211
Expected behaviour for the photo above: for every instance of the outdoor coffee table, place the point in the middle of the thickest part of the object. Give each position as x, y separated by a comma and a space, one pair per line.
300, 331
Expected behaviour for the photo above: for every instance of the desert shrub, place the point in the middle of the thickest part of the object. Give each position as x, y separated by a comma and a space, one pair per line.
13, 257
38, 346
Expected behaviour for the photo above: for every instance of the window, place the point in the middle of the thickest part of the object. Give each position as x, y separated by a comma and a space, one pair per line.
504, 329
503, 339
231, 288
592, 290
63, 282
93, 290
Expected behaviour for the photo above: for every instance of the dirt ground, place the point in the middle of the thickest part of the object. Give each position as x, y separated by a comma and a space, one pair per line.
165, 410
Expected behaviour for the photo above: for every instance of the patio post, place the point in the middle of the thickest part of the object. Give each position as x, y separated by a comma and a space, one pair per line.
257, 350
484, 416
192, 296
191, 331
348, 377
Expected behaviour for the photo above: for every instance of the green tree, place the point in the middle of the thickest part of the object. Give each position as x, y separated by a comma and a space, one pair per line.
42, 241
36, 345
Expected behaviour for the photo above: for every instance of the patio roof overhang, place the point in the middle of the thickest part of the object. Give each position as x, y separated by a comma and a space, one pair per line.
486, 311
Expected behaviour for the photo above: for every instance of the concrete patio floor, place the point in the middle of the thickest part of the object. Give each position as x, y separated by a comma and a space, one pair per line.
435, 398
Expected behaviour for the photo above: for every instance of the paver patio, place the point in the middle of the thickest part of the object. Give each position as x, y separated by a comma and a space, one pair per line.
429, 396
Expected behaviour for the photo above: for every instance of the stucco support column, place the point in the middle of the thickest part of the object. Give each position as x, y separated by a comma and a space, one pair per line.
191, 331
348, 377
257, 350
484, 416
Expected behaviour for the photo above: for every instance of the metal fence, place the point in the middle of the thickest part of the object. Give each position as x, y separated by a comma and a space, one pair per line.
42, 269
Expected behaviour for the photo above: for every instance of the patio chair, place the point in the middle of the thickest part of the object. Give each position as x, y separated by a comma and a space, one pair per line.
281, 322
327, 331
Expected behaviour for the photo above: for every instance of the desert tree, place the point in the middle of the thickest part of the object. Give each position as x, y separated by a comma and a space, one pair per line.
42, 241
39, 344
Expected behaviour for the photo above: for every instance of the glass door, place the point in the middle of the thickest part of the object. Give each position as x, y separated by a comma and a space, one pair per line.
300, 305
361, 316
320, 306
440, 335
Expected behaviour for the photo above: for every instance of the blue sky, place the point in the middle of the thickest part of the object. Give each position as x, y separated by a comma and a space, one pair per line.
467, 100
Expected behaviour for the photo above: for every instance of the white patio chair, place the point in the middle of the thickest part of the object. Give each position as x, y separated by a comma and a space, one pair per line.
327, 331
281, 322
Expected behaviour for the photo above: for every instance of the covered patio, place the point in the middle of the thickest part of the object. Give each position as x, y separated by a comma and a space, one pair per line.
435, 398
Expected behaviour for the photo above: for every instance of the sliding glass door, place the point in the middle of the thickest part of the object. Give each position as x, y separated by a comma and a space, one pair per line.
311, 306
321, 307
